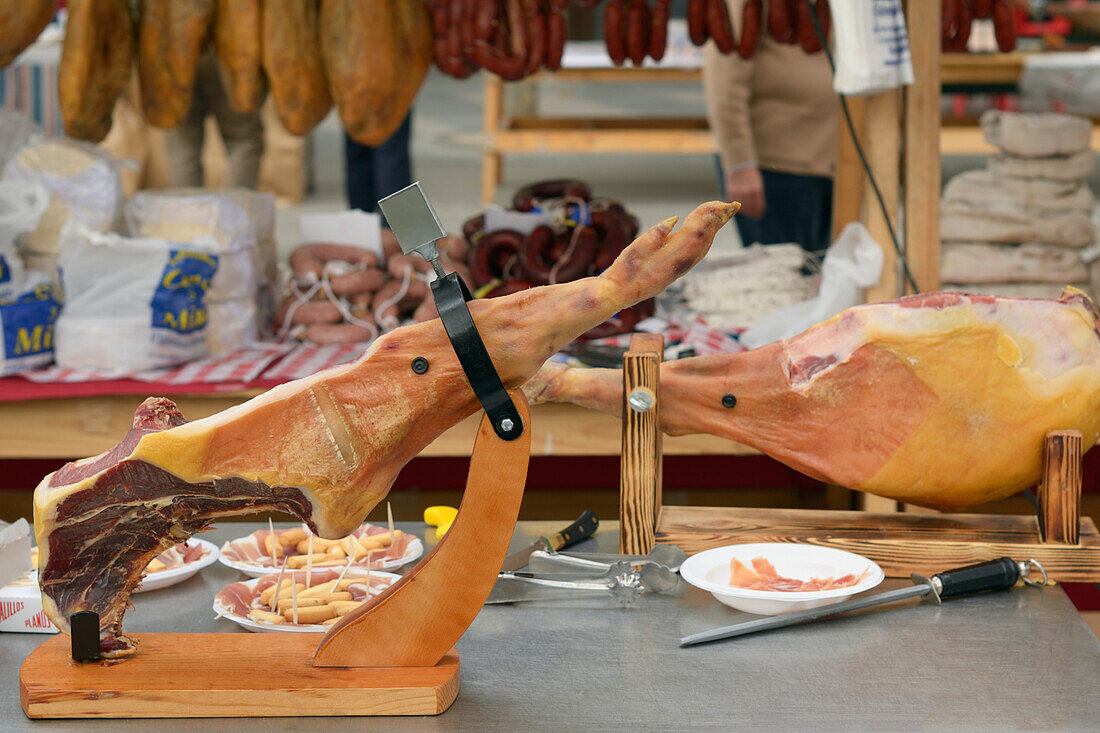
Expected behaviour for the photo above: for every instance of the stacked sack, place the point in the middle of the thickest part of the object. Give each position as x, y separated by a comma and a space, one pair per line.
238, 227
84, 187
732, 293
28, 299
1020, 227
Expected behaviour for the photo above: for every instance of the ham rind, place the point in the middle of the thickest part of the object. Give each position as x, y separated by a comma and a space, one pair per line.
325, 448
941, 400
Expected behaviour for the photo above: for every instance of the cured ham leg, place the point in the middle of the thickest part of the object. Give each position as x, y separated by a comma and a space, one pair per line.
941, 399
325, 448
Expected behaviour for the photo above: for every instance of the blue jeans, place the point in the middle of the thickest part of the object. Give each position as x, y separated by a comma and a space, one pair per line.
375, 172
796, 209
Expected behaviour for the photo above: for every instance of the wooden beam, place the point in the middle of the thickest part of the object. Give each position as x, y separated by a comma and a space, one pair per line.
921, 183
848, 182
882, 147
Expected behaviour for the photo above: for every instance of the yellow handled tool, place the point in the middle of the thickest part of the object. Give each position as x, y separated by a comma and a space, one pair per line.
440, 517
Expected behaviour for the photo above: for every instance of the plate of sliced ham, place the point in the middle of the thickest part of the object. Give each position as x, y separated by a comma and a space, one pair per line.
771, 578
177, 564
321, 598
257, 555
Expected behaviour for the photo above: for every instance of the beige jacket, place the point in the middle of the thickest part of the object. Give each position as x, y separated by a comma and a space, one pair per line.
777, 110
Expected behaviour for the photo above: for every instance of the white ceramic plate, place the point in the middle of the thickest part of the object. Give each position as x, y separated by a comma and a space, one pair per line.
414, 550
247, 623
710, 571
165, 578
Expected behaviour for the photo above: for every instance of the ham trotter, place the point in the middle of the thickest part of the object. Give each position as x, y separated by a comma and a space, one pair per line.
940, 399
325, 448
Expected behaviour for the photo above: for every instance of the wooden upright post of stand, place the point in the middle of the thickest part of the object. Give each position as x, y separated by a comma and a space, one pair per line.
393, 656
640, 481
1060, 488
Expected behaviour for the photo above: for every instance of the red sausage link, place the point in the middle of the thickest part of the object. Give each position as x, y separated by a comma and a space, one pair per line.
804, 28
824, 18
947, 19
574, 265
489, 257
958, 41
718, 26
526, 198
658, 29
750, 29
613, 31
779, 21
1004, 26
534, 254
981, 8
555, 43
697, 21
536, 36
637, 31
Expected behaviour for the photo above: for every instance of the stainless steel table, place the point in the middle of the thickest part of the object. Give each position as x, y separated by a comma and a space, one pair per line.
1022, 659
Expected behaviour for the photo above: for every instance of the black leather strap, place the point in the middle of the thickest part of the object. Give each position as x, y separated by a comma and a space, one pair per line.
450, 295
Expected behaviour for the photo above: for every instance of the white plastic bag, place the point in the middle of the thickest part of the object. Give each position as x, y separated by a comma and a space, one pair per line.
131, 304
872, 46
21, 206
853, 262
27, 325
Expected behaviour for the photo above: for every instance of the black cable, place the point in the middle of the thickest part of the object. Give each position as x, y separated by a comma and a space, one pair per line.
859, 149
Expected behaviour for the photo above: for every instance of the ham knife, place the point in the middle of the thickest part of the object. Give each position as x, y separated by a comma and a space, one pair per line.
585, 526
984, 576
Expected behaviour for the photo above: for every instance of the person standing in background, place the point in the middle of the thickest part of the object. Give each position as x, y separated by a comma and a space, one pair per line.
774, 118
243, 133
375, 172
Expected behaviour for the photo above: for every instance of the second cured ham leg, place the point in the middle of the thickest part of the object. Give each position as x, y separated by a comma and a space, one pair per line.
325, 448
941, 399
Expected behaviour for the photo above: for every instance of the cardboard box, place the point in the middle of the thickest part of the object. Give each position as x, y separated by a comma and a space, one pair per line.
21, 608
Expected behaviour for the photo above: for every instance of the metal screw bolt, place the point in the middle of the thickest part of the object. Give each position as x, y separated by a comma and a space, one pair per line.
640, 400
420, 365
506, 424
728, 400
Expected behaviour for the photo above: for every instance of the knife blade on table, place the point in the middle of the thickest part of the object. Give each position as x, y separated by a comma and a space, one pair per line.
585, 526
997, 574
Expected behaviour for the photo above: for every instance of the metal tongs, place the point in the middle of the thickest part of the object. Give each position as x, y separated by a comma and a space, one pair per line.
562, 576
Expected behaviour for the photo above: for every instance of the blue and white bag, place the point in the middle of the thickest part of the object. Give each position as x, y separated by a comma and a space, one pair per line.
131, 304
27, 325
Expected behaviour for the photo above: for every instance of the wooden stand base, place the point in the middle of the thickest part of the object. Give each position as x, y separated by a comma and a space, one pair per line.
242, 675
900, 543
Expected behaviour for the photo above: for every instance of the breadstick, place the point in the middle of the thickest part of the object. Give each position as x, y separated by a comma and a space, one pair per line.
258, 614
292, 537
297, 562
272, 547
288, 603
344, 607
314, 615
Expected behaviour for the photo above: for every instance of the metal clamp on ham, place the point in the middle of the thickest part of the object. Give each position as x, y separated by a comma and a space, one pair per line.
417, 228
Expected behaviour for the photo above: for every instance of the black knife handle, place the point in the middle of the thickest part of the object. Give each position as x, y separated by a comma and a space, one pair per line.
992, 575
581, 529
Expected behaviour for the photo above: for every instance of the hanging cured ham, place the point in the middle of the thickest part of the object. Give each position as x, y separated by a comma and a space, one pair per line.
941, 399
376, 54
325, 448
171, 36
21, 23
96, 56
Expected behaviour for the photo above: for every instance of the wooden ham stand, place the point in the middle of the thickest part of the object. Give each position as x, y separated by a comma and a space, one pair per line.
393, 656
1066, 544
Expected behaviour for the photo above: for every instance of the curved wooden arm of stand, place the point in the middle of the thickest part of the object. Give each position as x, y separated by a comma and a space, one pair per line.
419, 618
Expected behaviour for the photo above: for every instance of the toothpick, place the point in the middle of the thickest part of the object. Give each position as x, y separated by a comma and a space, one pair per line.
294, 599
271, 528
309, 563
369, 553
389, 517
278, 587
346, 569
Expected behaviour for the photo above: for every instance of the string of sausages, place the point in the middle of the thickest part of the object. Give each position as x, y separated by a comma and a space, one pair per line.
511, 38
585, 236
959, 14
